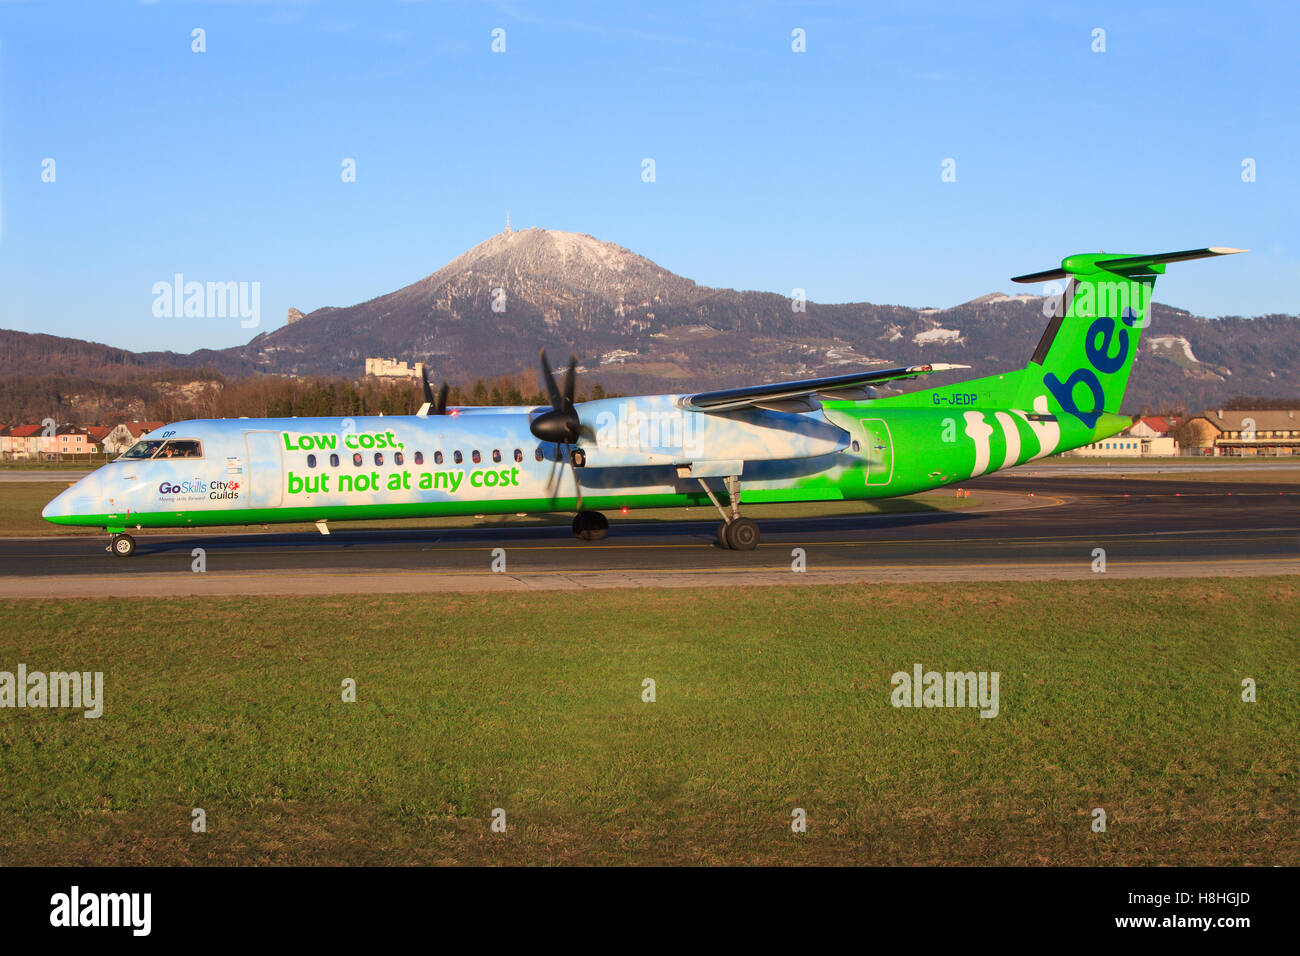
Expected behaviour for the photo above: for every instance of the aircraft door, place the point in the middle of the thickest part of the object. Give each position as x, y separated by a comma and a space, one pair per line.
265, 469
878, 448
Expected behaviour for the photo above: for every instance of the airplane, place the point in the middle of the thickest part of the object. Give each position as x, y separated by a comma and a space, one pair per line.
818, 439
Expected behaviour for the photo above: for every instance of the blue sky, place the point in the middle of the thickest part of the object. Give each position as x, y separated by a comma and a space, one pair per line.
774, 169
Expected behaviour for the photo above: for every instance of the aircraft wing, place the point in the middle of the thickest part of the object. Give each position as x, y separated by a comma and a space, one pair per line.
835, 387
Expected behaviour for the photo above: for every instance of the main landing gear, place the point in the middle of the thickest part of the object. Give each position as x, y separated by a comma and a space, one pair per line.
740, 534
590, 525
734, 533
121, 545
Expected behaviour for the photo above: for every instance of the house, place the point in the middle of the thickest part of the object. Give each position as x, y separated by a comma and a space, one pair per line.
1153, 426
1117, 446
123, 436
1149, 436
98, 433
27, 442
74, 440
1243, 433
1156, 432
7, 442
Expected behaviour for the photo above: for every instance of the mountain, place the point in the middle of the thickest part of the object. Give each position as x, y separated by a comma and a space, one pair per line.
638, 327
36, 354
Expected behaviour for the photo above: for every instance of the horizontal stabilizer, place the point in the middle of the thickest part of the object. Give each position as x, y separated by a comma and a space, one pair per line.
751, 395
1085, 264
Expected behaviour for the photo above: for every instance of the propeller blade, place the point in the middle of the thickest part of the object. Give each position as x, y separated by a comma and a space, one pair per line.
552, 481
548, 381
577, 486
570, 381
440, 406
428, 392
561, 424
562, 460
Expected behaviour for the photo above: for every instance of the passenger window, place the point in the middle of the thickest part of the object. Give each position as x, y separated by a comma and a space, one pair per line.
356, 459
496, 455
476, 456
398, 458
419, 458
311, 461
437, 458
538, 454
856, 446
457, 457
334, 461
519, 455
379, 458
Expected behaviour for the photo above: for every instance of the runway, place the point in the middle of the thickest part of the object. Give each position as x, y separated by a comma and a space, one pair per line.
1031, 527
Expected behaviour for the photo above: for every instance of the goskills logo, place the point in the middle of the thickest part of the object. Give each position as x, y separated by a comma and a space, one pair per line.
196, 487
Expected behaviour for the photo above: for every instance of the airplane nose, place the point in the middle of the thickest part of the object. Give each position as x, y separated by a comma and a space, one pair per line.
79, 498
60, 505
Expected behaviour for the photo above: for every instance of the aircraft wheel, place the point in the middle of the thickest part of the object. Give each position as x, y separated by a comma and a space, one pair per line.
590, 525
722, 536
122, 545
742, 534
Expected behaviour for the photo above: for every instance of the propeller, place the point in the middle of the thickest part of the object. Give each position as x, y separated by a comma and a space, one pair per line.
560, 426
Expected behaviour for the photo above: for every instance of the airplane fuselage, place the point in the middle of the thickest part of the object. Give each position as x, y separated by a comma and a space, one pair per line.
644, 452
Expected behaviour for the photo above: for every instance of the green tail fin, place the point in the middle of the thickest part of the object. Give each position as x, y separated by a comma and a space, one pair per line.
1082, 364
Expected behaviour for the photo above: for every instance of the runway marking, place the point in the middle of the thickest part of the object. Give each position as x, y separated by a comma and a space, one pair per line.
999, 542
232, 584
694, 544
936, 565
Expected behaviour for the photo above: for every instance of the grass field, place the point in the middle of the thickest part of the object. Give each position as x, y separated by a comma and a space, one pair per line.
1119, 695
21, 503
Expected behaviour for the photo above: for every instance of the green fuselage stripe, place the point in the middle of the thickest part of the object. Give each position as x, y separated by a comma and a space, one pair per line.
419, 509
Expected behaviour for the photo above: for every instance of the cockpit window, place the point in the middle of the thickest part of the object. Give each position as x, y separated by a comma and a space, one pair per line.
144, 448
181, 448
